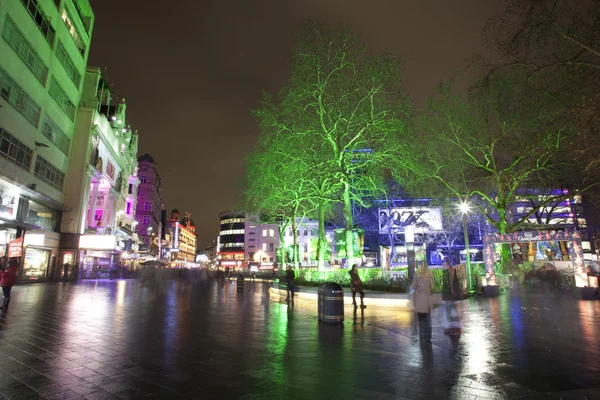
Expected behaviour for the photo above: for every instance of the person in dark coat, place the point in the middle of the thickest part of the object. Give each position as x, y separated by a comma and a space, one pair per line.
7, 281
356, 286
290, 275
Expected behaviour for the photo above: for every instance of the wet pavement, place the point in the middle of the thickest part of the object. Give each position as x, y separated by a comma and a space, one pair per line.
121, 339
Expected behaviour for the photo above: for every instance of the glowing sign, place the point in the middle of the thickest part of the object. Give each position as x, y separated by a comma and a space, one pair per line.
422, 219
15, 248
34, 239
98, 242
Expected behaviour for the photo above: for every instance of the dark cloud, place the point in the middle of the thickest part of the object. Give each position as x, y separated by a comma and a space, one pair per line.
192, 70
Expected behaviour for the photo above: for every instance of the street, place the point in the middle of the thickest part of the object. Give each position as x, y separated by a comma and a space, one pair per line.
121, 339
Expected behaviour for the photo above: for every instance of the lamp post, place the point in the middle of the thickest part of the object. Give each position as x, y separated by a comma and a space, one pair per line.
464, 208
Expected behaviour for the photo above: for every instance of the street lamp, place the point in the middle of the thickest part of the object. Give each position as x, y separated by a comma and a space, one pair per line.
464, 208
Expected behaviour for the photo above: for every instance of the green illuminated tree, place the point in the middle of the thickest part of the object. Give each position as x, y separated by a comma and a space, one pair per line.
276, 187
494, 149
348, 111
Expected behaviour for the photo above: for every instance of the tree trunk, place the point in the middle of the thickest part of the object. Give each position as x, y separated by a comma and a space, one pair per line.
505, 259
322, 241
392, 243
295, 257
348, 223
280, 260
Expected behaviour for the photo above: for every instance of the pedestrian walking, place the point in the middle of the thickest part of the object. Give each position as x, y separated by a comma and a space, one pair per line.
422, 291
8, 277
356, 287
290, 275
3, 262
422, 299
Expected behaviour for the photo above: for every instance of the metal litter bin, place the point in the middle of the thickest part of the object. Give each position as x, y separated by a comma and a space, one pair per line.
331, 303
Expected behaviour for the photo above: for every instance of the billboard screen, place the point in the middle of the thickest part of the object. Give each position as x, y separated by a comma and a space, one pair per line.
423, 219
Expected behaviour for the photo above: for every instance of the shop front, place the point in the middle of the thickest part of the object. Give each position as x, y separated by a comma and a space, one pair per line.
40, 256
107, 256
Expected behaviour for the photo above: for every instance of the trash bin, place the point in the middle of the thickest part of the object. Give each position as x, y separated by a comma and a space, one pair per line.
240, 282
331, 303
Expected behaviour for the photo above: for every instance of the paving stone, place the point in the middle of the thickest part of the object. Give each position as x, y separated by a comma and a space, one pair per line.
121, 339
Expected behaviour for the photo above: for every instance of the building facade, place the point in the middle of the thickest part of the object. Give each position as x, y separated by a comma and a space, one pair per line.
44, 48
101, 187
149, 209
231, 242
181, 238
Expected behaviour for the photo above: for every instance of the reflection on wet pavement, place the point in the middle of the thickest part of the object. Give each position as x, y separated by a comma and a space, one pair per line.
121, 339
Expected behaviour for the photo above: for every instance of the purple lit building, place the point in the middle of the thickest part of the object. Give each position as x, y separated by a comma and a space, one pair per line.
149, 206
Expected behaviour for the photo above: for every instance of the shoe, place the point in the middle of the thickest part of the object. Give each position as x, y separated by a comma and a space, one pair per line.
363, 306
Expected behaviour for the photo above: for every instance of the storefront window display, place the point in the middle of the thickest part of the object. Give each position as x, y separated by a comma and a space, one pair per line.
96, 266
42, 216
36, 264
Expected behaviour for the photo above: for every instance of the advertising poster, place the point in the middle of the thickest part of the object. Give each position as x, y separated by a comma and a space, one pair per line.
423, 219
36, 264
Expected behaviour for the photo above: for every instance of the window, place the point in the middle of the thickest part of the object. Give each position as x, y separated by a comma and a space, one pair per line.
271, 232
142, 179
145, 206
130, 189
150, 206
298, 232
129, 207
305, 248
270, 259
232, 232
25, 51
305, 232
264, 232
49, 173
56, 135
250, 256
84, 20
40, 19
16, 97
60, 96
68, 20
65, 60
264, 247
270, 246
42, 216
14, 150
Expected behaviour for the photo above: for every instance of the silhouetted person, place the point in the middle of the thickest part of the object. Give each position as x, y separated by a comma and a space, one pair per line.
356, 287
7, 281
289, 280
66, 269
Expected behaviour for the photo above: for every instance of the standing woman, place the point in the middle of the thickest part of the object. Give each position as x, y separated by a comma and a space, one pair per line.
356, 286
422, 291
7, 281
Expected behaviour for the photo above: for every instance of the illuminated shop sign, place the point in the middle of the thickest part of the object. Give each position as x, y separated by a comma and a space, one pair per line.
98, 242
15, 247
422, 219
34, 239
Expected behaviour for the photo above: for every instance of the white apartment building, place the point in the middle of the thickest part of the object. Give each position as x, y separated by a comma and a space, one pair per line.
44, 50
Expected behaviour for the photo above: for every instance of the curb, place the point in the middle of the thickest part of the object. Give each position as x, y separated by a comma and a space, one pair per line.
401, 302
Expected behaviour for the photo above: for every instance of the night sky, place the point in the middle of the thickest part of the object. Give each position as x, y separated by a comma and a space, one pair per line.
191, 70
